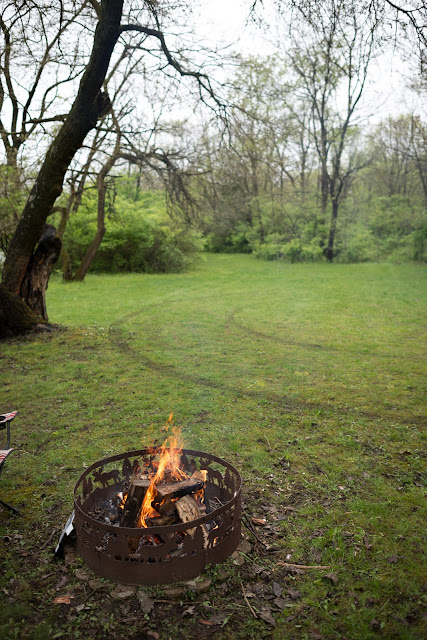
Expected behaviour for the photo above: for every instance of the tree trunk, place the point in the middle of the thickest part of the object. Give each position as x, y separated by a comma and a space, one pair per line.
34, 285
16, 317
90, 253
90, 104
100, 231
329, 252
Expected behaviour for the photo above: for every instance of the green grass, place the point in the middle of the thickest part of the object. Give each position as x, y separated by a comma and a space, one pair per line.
311, 379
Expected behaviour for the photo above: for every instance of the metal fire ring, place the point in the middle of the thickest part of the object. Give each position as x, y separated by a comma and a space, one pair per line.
127, 555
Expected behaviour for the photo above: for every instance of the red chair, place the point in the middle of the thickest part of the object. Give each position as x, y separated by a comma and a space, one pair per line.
5, 420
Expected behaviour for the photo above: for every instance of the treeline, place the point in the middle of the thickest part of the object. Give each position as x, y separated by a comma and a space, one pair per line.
254, 202
259, 187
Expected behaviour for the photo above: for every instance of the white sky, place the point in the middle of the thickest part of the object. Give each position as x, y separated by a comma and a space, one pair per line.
387, 93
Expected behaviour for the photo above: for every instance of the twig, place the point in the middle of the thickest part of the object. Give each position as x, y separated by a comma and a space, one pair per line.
248, 524
303, 566
177, 601
48, 540
251, 609
91, 594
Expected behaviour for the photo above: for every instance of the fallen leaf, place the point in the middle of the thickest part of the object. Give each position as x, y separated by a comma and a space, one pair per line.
208, 623
153, 634
393, 559
266, 615
332, 577
62, 599
259, 521
82, 575
280, 603
375, 625
189, 611
294, 595
122, 591
146, 603
277, 589
62, 582
220, 617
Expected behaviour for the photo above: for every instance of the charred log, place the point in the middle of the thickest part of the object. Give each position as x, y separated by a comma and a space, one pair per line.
135, 497
167, 492
162, 521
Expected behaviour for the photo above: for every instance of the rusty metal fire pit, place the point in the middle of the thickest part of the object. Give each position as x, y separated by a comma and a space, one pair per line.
160, 554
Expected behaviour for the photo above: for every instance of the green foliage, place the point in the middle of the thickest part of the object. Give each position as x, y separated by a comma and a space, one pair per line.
420, 243
139, 235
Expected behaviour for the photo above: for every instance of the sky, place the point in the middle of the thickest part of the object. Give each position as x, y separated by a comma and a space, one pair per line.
386, 95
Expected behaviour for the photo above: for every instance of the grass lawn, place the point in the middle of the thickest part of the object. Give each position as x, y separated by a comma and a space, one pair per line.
310, 379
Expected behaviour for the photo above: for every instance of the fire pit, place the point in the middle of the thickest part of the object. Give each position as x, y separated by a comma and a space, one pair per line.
204, 502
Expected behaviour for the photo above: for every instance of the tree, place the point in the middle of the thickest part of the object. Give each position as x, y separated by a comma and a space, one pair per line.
331, 58
90, 104
248, 180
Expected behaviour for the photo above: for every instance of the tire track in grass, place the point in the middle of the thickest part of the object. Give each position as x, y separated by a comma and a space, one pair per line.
280, 401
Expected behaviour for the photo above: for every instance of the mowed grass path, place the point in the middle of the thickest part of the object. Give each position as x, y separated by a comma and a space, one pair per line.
310, 378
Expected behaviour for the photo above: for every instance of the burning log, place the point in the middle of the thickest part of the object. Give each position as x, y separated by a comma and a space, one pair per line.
165, 493
135, 497
162, 521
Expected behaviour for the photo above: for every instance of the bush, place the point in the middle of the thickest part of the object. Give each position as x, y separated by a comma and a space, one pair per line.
361, 246
419, 238
293, 251
139, 237
235, 241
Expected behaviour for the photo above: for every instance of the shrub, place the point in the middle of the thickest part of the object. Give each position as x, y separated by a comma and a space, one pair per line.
138, 237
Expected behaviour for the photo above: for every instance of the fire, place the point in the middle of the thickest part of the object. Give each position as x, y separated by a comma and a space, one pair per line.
168, 470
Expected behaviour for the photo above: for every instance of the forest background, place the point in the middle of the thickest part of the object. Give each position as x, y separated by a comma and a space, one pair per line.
285, 153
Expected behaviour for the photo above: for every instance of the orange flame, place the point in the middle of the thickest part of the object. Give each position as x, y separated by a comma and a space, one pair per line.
169, 466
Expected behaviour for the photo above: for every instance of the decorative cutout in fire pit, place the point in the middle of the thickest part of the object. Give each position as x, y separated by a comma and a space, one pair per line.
203, 503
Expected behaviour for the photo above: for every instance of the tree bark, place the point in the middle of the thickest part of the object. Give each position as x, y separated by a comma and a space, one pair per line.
329, 252
34, 285
100, 231
90, 104
16, 317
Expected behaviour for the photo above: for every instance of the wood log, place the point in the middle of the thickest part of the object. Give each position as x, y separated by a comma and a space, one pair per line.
199, 475
188, 510
166, 508
172, 490
162, 521
134, 499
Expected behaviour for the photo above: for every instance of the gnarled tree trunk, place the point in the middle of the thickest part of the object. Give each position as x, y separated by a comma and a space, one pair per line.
34, 285
16, 317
